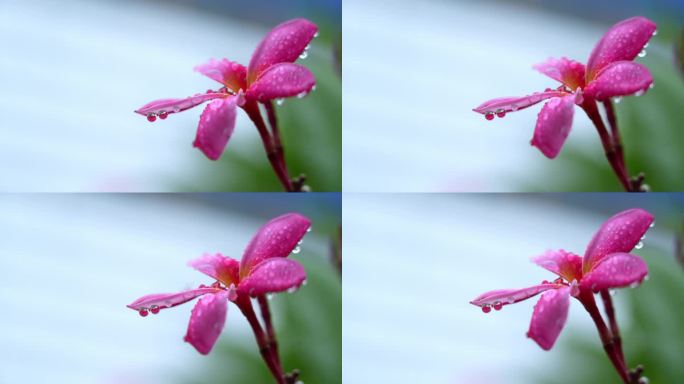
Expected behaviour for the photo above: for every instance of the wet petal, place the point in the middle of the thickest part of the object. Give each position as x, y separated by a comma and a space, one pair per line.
549, 316
615, 271
510, 296
283, 44
564, 264
273, 275
512, 104
206, 322
568, 72
623, 41
277, 238
280, 81
619, 234
229, 73
177, 105
553, 125
622, 78
219, 267
168, 300
216, 126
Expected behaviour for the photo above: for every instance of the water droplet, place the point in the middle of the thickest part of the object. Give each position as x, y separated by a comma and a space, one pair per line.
617, 100
315, 35
486, 308
643, 380
651, 86
305, 282
652, 224
612, 292
154, 309
151, 117
302, 94
489, 115
216, 284
300, 241
143, 312
545, 282
292, 290
163, 115
304, 55
635, 284
296, 250
655, 32
639, 246
639, 92
497, 305
280, 101
642, 53
647, 277
202, 286
308, 230
500, 113
269, 296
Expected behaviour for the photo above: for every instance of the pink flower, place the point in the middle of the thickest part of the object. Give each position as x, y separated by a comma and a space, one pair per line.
606, 264
270, 75
264, 269
610, 72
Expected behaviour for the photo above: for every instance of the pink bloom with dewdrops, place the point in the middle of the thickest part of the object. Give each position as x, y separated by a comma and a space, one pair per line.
609, 73
606, 264
270, 75
263, 269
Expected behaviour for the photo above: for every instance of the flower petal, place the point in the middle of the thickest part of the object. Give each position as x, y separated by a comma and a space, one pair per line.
273, 275
615, 271
622, 78
283, 44
282, 80
620, 233
623, 41
564, 264
277, 238
510, 296
229, 73
206, 322
216, 126
219, 267
553, 125
549, 316
177, 105
568, 72
512, 104
168, 300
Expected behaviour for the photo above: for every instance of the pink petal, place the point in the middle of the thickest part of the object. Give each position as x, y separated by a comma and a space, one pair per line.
564, 264
614, 271
226, 72
549, 316
553, 125
277, 238
623, 41
510, 296
216, 126
177, 105
621, 78
619, 234
283, 44
273, 275
512, 104
206, 321
168, 300
280, 81
569, 72
219, 267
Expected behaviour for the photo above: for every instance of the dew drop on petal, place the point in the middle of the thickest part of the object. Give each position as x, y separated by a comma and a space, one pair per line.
163, 115
489, 115
269, 296
297, 249
612, 292
642, 53
617, 100
280, 101
315, 35
154, 309
304, 55
486, 308
497, 305
500, 113
143, 312
151, 117
640, 245
652, 224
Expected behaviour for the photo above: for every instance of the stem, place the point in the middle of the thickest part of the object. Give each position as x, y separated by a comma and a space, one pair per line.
245, 306
266, 314
615, 132
273, 122
587, 299
612, 320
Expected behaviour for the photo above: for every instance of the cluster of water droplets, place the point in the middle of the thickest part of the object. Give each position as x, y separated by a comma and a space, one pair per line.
153, 308
152, 117
489, 115
641, 241
497, 305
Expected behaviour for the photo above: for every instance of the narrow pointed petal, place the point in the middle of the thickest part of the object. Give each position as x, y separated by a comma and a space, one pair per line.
219, 267
619, 234
168, 300
277, 238
512, 104
273, 275
283, 44
280, 81
231, 74
622, 78
207, 321
177, 105
216, 126
564, 264
616, 270
510, 296
623, 41
569, 72
549, 316
553, 125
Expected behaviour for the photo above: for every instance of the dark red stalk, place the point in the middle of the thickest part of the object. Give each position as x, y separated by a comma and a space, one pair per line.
273, 122
612, 321
270, 332
615, 132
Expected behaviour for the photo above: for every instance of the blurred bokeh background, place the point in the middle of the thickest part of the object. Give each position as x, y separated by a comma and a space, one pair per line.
69, 264
73, 71
413, 74
417, 260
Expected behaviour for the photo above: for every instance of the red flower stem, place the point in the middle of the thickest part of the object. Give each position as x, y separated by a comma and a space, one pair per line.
612, 321
252, 110
615, 132
273, 122
270, 332
245, 306
587, 299
591, 109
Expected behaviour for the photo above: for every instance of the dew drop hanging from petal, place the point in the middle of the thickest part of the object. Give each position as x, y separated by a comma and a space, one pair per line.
143, 312
151, 117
